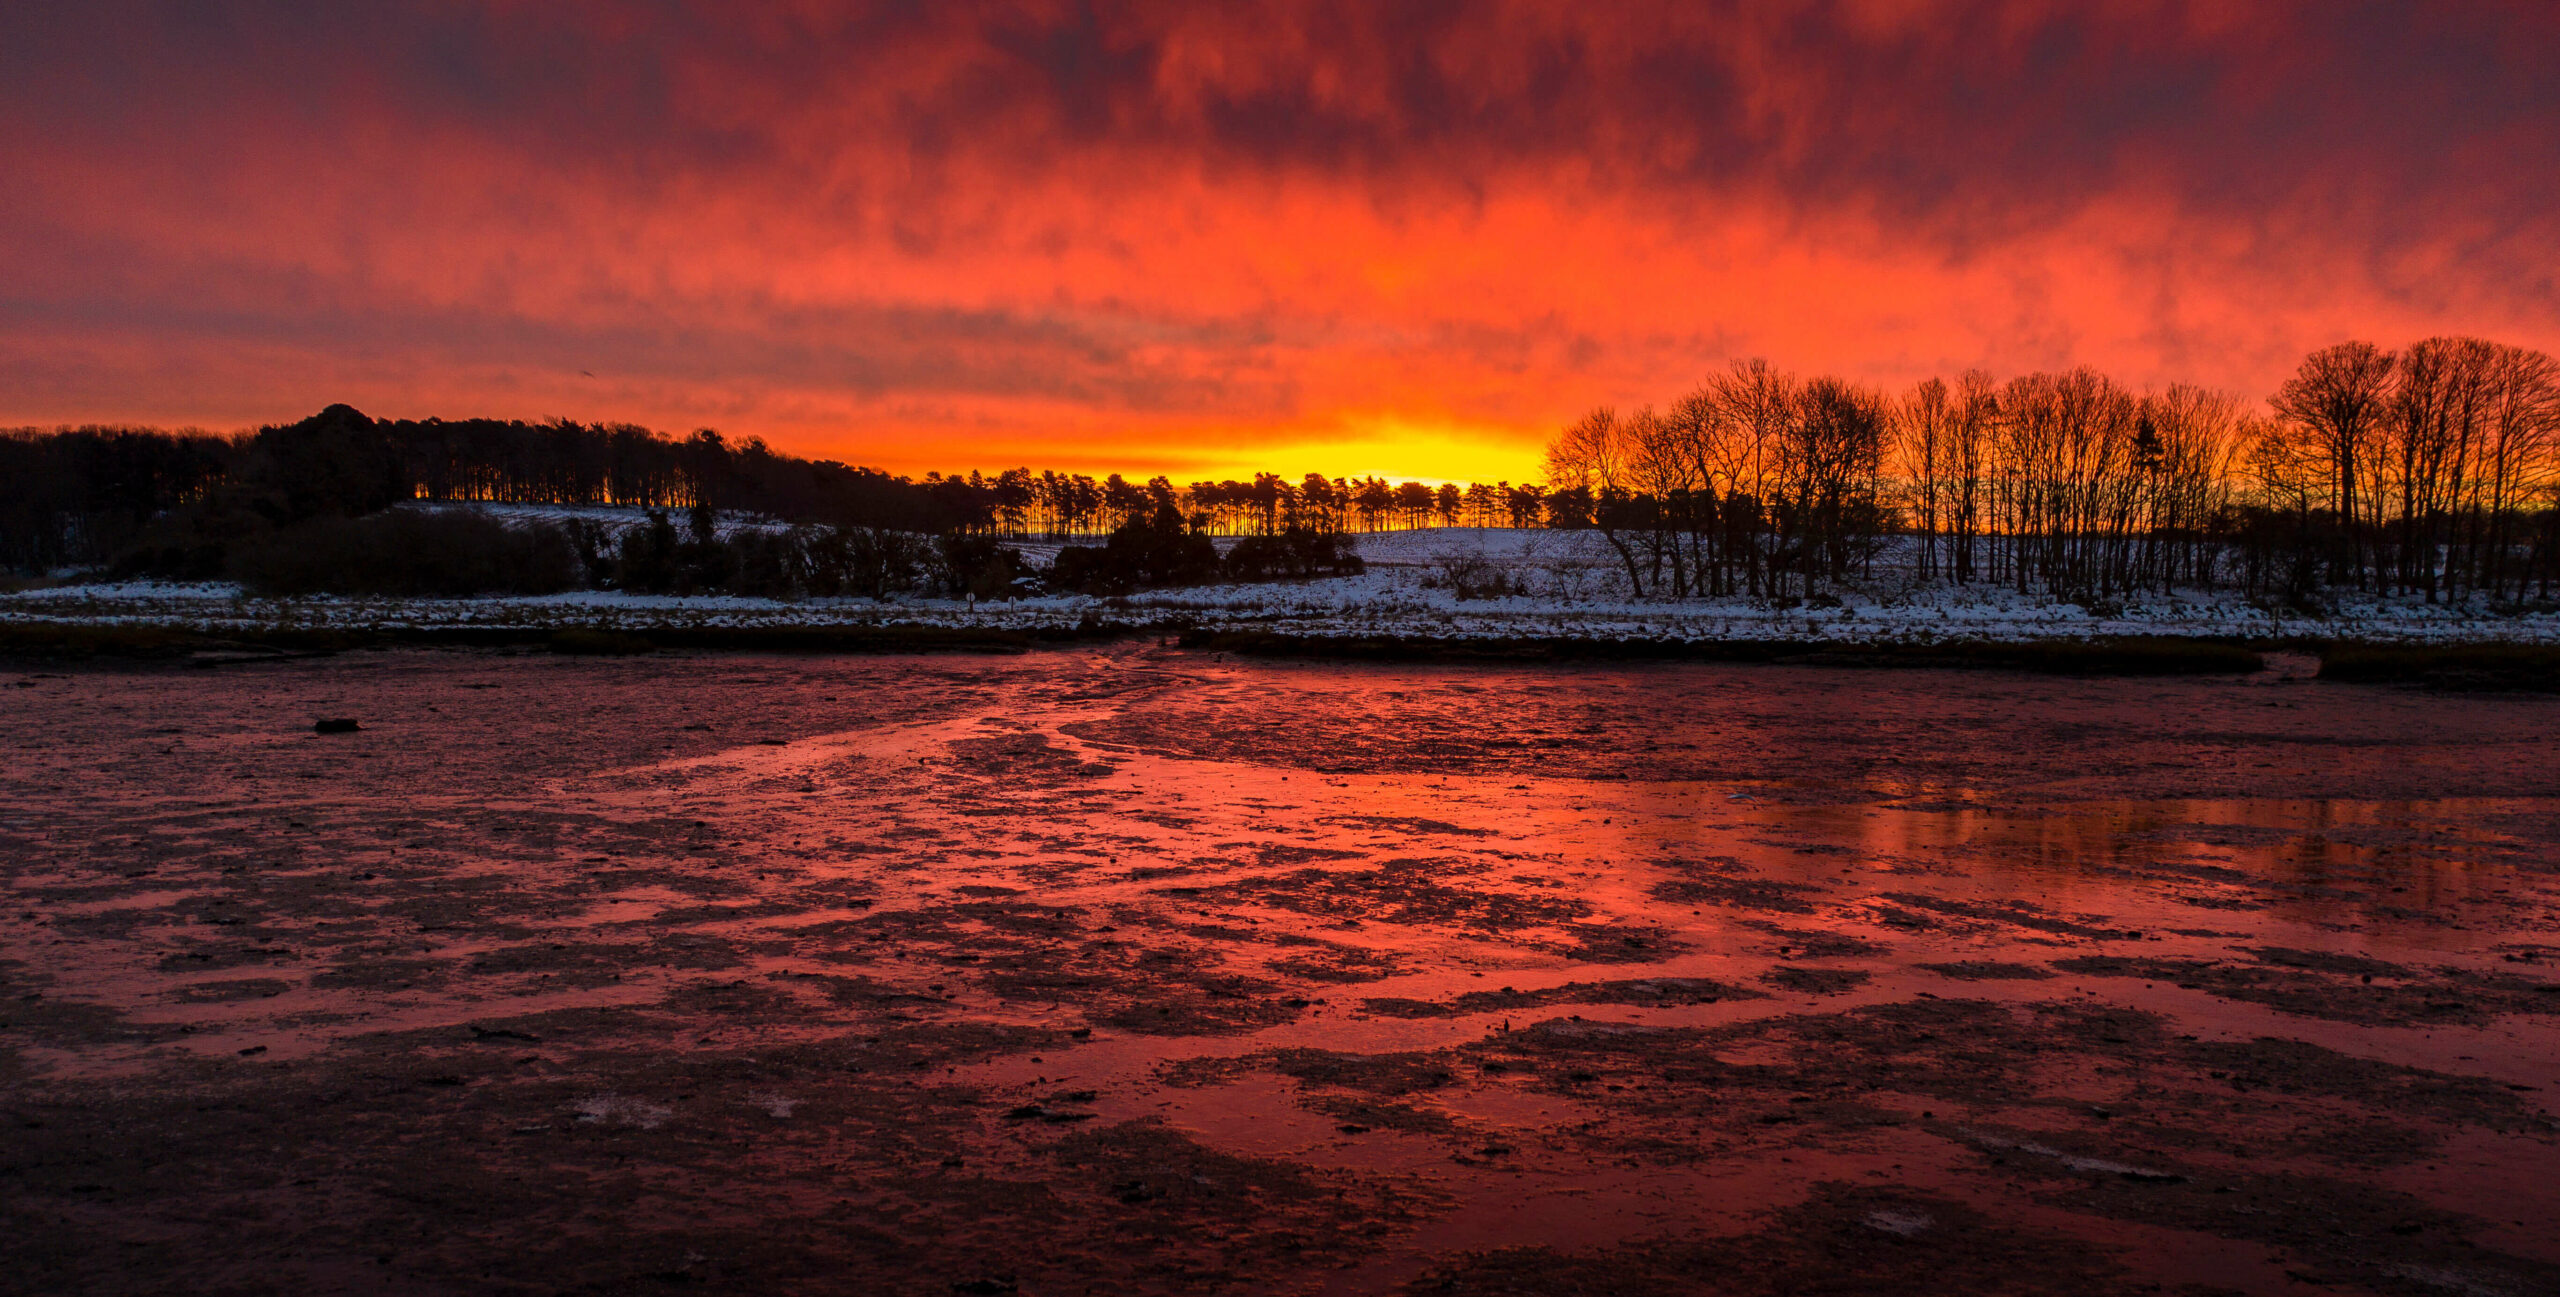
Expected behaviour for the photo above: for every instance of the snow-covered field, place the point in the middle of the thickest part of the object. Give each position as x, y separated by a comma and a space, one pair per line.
1572, 590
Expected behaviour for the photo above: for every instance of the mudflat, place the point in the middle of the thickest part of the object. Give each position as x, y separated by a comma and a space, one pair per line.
1134, 969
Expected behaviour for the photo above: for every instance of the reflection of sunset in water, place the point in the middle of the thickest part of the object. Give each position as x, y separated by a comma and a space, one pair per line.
1358, 970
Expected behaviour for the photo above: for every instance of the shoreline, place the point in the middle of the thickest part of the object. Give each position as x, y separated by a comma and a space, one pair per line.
1453, 593
136, 635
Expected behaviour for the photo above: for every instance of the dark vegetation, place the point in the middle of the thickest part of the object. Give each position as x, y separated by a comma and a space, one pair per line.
58, 641
1160, 550
400, 552
2431, 472
315, 506
1152, 551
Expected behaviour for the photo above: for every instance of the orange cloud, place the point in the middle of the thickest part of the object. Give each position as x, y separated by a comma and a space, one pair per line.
1203, 240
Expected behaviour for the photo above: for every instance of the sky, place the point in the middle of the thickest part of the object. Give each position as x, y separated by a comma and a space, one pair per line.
1203, 239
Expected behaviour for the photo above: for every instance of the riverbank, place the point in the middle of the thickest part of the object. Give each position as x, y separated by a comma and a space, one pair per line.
1402, 609
2493, 666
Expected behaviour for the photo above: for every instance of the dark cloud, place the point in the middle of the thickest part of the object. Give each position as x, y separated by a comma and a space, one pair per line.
1927, 112
486, 167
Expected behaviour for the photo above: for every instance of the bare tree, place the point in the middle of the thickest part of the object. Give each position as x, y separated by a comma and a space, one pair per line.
2434, 429
1974, 414
1828, 462
1759, 411
2336, 402
2197, 441
1695, 428
1595, 456
2523, 443
1923, 451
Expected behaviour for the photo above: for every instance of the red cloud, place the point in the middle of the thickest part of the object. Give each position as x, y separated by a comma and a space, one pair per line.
1395, 238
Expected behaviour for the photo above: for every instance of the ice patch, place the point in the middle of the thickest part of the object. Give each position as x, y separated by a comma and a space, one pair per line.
2451, 1280
1904, 1223
1576, 1028
2089, 1165
621, 1110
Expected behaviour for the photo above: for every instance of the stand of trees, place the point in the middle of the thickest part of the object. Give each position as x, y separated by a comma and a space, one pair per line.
2433, 471
2429, 471
1020, 503
305, 507
1757, 483
80, 497
1162, 550
169, 503
464, 552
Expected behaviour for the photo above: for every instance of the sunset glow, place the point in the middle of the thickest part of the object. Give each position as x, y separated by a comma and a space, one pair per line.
1206, 240
1258, 648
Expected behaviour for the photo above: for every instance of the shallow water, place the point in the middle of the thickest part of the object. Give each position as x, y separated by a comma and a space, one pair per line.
1135, 969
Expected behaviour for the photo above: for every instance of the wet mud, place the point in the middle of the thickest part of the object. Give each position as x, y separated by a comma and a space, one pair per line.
1135, 969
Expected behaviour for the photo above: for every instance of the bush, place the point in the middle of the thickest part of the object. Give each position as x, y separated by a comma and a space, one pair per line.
1294, 553
768, 564
1140, 554
655, 559
1469, 574
825, 562
979, 567
1160, 551
407, 552
869, 561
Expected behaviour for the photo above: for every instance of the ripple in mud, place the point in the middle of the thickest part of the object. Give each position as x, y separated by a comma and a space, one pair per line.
1843, 1238
1987, 970
1645, 991
2341, 988
1123, 971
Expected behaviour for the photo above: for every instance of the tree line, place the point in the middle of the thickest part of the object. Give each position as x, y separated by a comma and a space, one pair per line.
171, 503
2430, 471
2433, 470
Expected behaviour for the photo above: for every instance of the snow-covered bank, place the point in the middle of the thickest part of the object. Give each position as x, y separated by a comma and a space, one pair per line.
1572, 594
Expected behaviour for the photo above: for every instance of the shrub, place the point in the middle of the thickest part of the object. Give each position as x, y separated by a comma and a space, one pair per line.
407, 552
769, 564
1468, 574
826, 562
1293, 553
978, 566
1140, 554
870, 562
655, 559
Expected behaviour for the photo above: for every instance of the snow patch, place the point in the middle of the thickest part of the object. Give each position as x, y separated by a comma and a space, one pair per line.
621, 1110
1904, 1223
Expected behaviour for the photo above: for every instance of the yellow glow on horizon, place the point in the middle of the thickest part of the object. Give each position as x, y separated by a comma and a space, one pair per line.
1401, 449
1393, 447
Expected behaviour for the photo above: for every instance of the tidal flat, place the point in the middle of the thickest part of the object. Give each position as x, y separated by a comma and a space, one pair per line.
1129, 968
